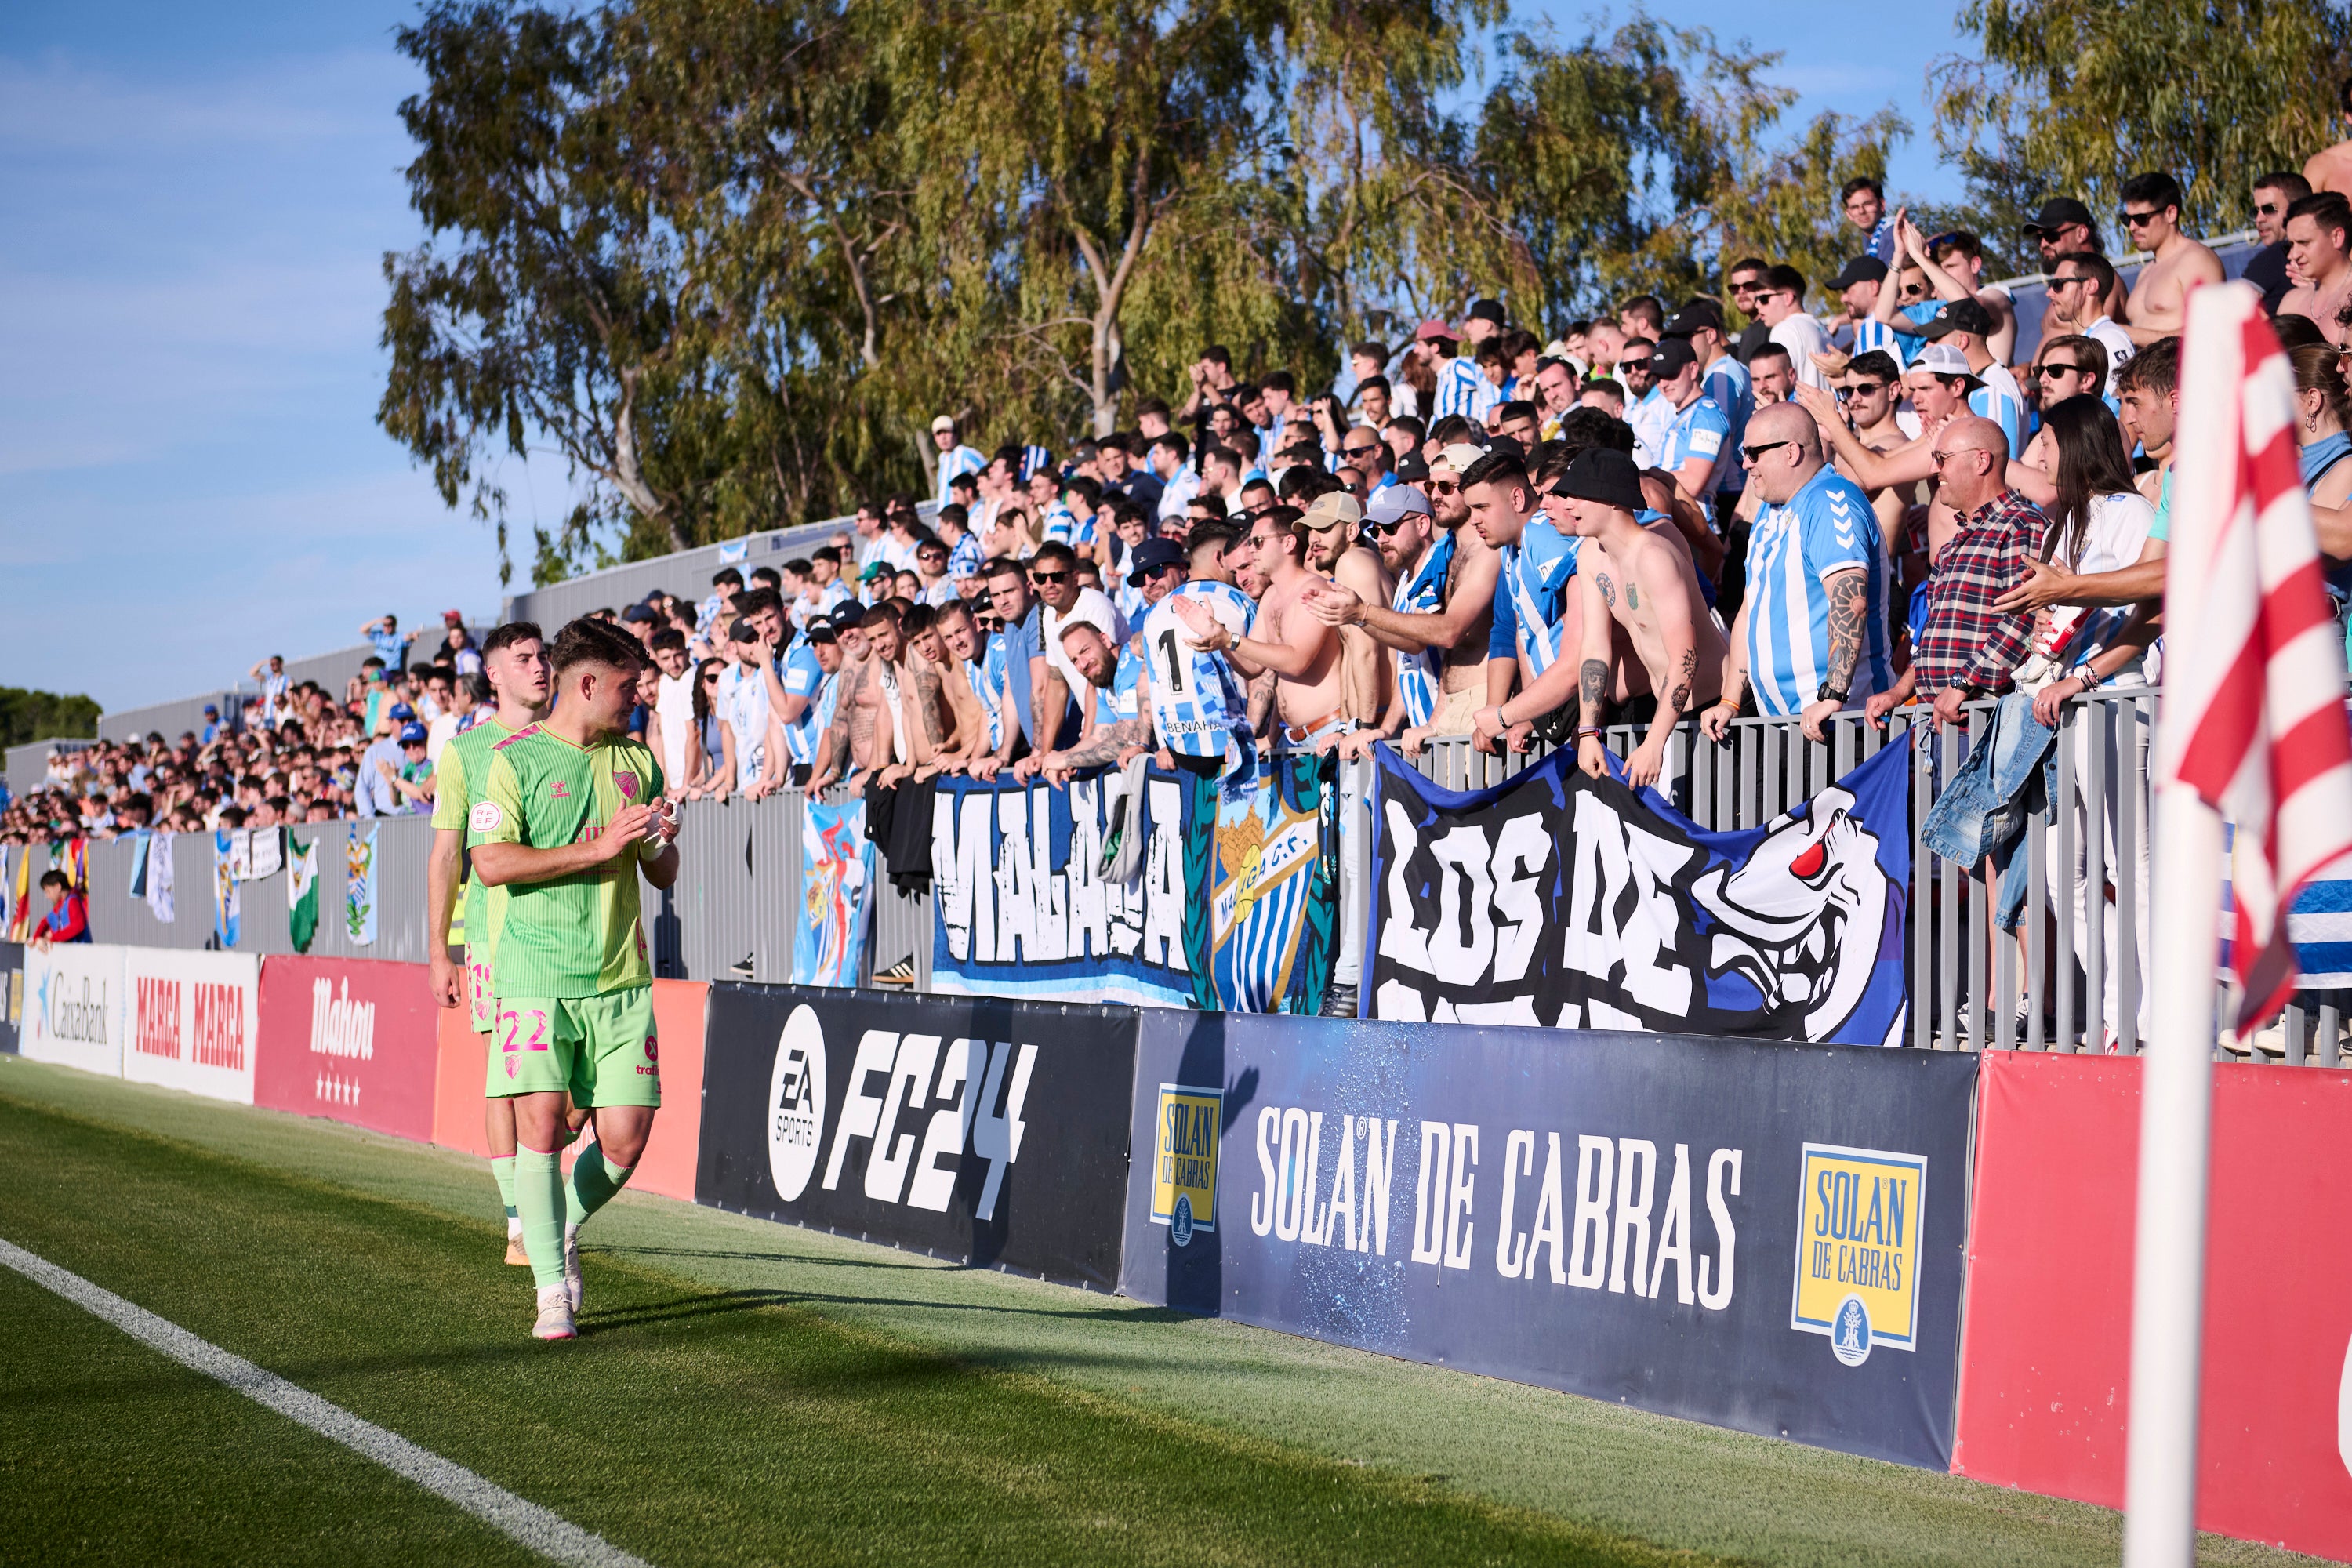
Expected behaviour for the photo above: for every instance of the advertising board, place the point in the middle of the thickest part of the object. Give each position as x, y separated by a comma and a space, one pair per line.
12, 992
1764, 1236
987, 1130
74, 1010
192, 1021
353, 1039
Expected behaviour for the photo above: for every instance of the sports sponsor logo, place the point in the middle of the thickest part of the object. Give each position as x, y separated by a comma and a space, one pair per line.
1858, 1219
485, 816
557, 789
1184, 1176
1623, 1215
155, 1031
339, 1025
213, 1013
78, 1018
917, 1102
796, 1104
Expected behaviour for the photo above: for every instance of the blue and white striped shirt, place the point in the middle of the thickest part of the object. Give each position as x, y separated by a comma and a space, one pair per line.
2001, 401
1422, 593
1536, 573
1462, 389
1826, 527
1198, 701
957, 460
1727, 381
1701, 430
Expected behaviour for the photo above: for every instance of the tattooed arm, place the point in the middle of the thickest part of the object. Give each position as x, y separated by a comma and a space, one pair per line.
1102, 746
1675, 602
1595, 587
923, 695
1848, 592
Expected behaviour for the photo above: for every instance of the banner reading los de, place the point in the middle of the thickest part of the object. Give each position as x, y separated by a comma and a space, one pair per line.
1556, 899
1219, 894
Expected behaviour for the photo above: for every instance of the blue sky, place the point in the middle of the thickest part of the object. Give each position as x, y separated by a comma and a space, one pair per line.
198, 201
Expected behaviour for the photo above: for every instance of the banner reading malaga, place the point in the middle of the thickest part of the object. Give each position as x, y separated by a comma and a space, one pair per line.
1230, 903
1560, 899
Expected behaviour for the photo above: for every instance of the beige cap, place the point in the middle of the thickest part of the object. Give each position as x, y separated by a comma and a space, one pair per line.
1338, 506
1460, 456
944, 422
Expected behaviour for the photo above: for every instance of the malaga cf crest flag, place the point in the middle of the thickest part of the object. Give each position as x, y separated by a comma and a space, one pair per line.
1565, 901
837, 864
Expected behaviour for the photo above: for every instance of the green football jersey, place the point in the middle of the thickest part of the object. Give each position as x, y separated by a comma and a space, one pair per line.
580, 935
464, 769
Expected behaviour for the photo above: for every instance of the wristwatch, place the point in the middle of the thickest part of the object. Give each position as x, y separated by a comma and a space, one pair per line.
1829, 693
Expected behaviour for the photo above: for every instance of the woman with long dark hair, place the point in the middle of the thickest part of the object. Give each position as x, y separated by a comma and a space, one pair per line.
2098, 522
710, 779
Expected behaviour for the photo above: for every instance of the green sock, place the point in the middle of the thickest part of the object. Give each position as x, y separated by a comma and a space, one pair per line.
538, 1195
593, 1184
502, 1168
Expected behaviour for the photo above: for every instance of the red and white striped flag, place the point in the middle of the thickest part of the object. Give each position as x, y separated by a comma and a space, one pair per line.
2253, 712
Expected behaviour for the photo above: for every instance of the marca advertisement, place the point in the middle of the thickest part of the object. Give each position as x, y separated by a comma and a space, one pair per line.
351, 1039
12, 992
2048, 1358
194, 1021
1555, 899
988, 1131
1764, 1236
74, 1010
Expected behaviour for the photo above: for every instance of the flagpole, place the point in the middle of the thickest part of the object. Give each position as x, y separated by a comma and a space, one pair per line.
2175, 1121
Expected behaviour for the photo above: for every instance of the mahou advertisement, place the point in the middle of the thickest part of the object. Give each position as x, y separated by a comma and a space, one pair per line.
352, 1039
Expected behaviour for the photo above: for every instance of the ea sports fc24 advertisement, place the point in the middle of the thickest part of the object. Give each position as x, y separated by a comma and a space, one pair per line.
1760, 1234
982, 1130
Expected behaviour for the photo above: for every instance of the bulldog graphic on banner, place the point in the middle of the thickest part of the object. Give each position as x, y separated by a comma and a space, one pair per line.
1561, 900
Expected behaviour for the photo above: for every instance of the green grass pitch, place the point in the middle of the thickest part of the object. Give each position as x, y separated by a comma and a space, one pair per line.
749, 1392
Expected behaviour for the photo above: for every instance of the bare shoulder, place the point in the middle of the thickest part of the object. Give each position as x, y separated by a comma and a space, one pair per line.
1360, 569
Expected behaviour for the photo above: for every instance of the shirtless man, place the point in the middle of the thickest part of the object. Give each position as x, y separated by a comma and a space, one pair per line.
1873, 397
1537, 618
1332, 522
2331, 170
1300, 650
965, 659
2318, 234
860, 738
1629, 577
949, 708
2159, 297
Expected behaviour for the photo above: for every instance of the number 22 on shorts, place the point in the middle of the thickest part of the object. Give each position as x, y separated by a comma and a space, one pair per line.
510, 1024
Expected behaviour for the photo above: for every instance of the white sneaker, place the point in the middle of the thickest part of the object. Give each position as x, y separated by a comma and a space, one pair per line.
554, 1315
571, 1263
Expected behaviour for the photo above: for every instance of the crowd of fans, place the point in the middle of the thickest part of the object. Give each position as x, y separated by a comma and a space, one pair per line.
298, 753
1700, 508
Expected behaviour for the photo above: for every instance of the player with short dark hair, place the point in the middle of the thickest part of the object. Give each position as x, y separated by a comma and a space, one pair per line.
572, 811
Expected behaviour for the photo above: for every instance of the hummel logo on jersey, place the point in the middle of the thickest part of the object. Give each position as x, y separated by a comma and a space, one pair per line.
557, 789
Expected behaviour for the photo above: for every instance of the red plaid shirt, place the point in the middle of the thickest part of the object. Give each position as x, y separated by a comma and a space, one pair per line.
1965, 642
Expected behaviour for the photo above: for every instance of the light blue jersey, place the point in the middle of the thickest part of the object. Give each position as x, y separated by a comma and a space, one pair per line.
1463, 389
1892, 338
1533, 602
1199, 702
1116, 701
1422, 593
1700, 431
958, 460
801, 676
1726, 381
1999, 401
986, 677
1826, 527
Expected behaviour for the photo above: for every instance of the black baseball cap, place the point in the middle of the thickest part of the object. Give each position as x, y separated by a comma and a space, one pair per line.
637, 613
822, 630
1605, 475
847, 614
1861, 269
1412, 470
1671, 358
1959, 316
1486, 310
1158, 555
1690, 319
2056, 213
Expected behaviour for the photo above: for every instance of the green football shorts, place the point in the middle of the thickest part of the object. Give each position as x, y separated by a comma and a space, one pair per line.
604, 1049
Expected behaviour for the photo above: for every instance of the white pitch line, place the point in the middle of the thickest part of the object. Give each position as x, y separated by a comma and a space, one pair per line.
549, 1534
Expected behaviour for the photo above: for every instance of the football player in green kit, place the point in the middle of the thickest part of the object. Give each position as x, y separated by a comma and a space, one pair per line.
572, 809
514, 661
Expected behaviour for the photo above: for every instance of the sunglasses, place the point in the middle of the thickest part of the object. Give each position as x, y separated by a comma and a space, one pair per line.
2268, 209
1633, 364
1385, 529
711, 680
1754, 454
1049, 576
2138, 220
1440, 487
1359, 451
1862, 389
2052, 371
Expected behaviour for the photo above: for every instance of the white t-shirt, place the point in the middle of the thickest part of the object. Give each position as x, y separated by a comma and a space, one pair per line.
439, 734
1804, 337
674, 705
2116, 340
2113, 538
1094, 605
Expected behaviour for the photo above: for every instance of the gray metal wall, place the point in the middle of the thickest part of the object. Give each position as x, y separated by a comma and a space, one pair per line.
28, 765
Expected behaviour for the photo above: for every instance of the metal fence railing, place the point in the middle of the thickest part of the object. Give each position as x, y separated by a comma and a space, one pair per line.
2070, 978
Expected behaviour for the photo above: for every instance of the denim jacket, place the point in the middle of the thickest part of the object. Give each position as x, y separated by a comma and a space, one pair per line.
2010, 773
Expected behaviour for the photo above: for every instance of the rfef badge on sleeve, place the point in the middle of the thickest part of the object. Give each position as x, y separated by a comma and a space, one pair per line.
1859, 1216
1184, 1170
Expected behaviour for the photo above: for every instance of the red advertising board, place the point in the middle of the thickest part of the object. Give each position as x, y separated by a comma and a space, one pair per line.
349, 1038
667, 1164
2045, 1371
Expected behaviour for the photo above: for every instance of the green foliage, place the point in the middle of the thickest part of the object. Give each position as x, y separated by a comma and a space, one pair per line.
727, 258
26, 716
2073, 97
